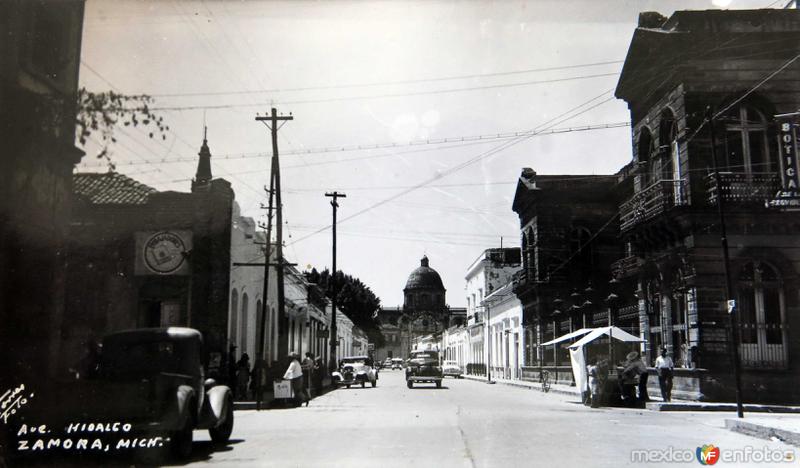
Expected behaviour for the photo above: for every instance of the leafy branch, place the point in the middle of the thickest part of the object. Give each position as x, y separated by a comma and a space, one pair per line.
101, 113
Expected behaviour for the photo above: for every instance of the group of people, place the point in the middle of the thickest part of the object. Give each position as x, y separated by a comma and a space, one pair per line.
632, 379
304, 376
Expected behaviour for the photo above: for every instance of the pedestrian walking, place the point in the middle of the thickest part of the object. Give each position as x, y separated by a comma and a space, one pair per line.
242, 376
308, 368
665, 367
294, 374
317, 375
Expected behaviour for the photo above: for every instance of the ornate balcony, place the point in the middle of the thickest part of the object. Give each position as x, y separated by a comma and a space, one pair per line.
741, 188
651, 202
627, 266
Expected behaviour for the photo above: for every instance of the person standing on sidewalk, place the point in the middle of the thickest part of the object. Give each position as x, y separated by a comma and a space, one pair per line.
294, 374
665, 367
308, 368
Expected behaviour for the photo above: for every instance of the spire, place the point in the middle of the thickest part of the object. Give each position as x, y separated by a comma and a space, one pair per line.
203, 176
424, 261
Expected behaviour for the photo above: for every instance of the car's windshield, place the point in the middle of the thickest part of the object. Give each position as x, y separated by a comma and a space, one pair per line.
450, 363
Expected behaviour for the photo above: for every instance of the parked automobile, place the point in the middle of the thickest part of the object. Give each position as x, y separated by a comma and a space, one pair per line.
397, 363
387, 363
355, 370
452, 369
153, 379
423, 366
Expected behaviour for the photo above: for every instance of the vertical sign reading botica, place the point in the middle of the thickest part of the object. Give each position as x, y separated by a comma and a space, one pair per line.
788, 197
163, 252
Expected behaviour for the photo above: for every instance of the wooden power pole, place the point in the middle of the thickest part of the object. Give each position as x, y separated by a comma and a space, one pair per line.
333, 337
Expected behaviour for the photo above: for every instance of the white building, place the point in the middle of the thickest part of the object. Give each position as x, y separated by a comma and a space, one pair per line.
456, 345
506, 346
492, 270
246, 285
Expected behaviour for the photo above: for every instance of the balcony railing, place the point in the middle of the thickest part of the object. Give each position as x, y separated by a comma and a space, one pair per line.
651, 202
743, 188
626, 266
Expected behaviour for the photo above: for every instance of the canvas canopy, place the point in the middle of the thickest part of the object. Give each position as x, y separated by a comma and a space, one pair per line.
568, 336
578, 358
615, 333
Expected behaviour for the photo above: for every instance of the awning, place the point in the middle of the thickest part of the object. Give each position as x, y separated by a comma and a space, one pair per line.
616, 333
568, 336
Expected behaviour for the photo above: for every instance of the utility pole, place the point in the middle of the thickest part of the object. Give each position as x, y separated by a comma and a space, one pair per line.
274, 122
262, 330
335, 290
732, 312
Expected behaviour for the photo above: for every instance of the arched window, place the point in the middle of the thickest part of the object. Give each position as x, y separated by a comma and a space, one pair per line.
644, 153
243, 325
761, 316
423, 300
259, 324
667, 135
746, 144
580, 239
233, 330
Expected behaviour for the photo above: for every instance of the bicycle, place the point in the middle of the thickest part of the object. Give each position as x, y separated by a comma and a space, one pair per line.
544, 378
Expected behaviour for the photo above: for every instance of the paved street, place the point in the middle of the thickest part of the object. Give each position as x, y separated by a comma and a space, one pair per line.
466, 423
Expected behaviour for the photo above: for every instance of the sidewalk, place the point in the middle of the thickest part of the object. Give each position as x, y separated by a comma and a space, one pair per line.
554, 388
785, 428
783, 423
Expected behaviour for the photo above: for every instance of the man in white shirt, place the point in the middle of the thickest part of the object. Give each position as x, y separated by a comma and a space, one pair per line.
664, 366
295, 374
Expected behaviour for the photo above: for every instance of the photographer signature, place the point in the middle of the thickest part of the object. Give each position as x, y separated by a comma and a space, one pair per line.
11, 401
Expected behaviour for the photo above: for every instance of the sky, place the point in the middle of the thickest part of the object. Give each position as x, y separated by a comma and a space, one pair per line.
422, 113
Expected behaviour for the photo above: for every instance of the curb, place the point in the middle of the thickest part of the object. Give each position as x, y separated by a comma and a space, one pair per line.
569, 391
762, 431
658, 406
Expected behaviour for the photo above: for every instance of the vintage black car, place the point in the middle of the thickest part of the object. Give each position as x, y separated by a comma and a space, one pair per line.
423, 366
154, 379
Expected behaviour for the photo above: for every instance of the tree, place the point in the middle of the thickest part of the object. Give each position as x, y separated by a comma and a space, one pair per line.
355, 299
102, 113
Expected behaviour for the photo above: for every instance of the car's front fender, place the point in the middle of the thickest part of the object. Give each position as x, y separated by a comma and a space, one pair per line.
179, 409
215, 408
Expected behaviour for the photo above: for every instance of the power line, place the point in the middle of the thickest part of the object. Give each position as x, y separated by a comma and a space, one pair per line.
378, 96
475, 159
457, 142
383, 83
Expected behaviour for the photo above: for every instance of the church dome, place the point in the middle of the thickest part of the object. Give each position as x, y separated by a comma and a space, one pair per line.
424, 277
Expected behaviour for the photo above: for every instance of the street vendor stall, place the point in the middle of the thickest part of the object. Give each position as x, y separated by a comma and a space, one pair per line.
577, 350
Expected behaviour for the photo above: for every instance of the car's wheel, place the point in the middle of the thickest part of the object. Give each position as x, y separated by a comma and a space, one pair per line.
363, 384
222, 433
438, 384
374, 383
181, 440
348, 385
409, 384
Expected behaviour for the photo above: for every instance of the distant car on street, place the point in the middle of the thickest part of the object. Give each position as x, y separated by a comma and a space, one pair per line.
355, 370
423, 366
452, 369
397, 363
387, 363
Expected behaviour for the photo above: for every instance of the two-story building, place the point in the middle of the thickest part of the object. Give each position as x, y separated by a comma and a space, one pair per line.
740, 68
